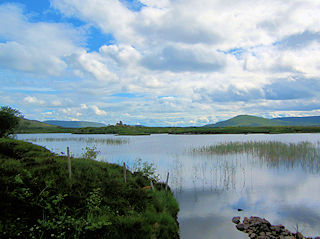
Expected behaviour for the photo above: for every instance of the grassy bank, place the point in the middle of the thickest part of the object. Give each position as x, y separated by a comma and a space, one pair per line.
137, 130
39, 201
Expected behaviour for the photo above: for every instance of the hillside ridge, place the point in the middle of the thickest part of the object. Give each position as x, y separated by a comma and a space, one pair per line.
256, 121
74, 124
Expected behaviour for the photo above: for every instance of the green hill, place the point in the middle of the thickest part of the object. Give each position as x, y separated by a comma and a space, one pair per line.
28, 124
300, 121
34, 126
73, 124
248, 121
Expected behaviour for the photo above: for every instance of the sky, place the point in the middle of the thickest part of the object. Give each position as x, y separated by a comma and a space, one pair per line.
160, 62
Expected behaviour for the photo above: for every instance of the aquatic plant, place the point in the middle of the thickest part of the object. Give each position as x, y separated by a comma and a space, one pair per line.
304, 153
87, 140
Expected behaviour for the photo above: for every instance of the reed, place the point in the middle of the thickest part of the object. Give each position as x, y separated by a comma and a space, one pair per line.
304, 153
87, 140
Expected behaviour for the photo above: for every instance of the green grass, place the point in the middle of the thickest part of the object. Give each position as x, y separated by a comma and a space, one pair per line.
137, 130
305, 154
33, 126
248, 121
39, 201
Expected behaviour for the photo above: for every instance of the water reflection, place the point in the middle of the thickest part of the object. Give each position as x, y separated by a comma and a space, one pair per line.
211, 187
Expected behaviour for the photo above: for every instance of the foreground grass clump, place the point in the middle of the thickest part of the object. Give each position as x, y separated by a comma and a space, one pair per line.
39, 201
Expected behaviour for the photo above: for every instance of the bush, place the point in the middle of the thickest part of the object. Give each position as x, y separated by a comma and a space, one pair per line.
9, 120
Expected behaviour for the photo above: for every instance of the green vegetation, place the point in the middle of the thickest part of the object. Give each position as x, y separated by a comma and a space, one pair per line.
73, 124
247, 121
34, 126
90, 153
39, 201
137, 130
126, 130
254, 121
27, 126
9, 120
300, 121
304, 153
88, 140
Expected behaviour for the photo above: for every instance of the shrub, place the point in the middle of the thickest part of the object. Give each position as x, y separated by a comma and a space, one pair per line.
9, 120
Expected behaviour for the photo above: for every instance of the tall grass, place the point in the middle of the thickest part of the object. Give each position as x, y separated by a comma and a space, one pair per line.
117, 141
39, 200
304, 153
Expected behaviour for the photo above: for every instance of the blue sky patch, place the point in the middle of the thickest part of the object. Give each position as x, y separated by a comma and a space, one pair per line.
237, 52
127, 95
133, 5
96, 39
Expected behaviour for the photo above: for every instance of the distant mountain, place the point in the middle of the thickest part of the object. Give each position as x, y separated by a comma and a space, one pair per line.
300, 121
33, 124
247, 121
73, 124
254, 121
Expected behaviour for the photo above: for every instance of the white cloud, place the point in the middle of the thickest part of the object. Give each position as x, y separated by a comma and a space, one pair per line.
122, 54
177, 60
33, 100
93, 64
71, 112
111, 16
83, 106
98, 111
36, 47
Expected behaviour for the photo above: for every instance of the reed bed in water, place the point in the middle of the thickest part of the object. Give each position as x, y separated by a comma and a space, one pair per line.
117, 141
271, 151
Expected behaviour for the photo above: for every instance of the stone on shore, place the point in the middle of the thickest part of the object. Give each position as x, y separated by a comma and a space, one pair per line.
260, 228
236, 220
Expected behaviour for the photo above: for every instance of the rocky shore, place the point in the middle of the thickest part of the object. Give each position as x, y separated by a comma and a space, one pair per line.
258, 228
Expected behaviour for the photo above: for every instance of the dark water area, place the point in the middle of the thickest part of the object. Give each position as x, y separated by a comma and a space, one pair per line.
211, 188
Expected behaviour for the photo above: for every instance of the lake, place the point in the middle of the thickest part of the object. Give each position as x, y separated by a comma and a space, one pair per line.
211, 188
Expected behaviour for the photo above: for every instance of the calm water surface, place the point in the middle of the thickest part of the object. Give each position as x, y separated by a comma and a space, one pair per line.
210, 188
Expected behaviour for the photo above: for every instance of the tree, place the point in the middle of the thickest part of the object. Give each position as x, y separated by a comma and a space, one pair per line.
9, 120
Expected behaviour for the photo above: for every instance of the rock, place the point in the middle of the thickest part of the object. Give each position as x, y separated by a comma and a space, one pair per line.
240, 227
299, 235
236, 220
258, 228
253, 236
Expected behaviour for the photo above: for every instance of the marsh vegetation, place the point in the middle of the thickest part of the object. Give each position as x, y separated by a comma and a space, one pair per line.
274, 153
87, 140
